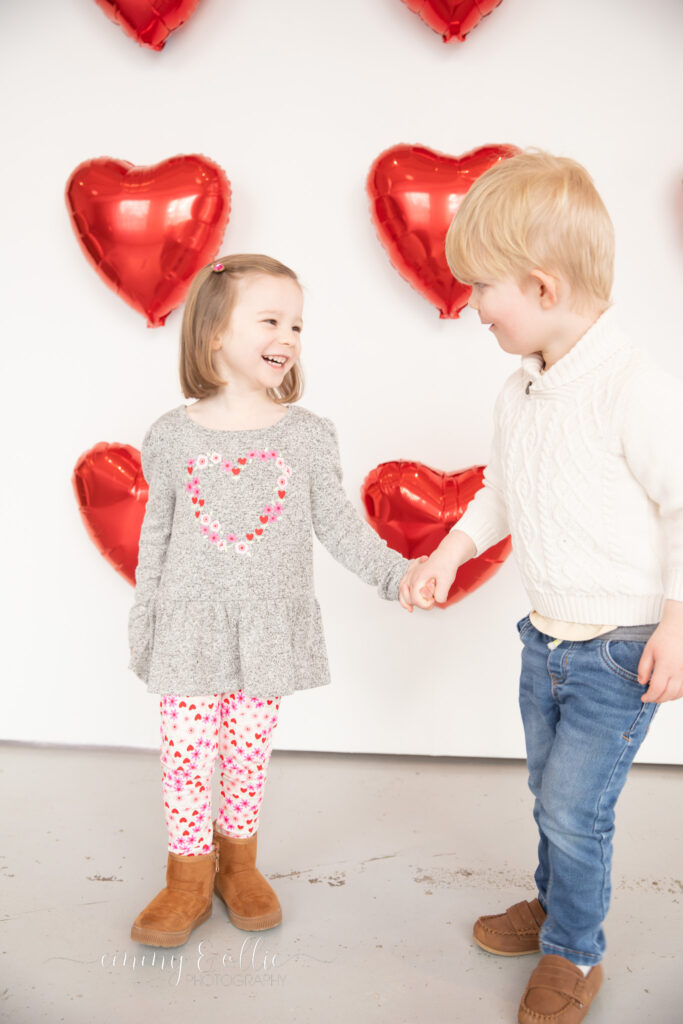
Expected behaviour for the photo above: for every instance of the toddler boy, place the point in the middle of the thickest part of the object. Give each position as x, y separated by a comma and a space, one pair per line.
586, 474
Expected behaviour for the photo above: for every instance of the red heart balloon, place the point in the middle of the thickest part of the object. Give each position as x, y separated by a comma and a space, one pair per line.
452, 18
414, 194
112, 493
150, 22
412, 507
148, 230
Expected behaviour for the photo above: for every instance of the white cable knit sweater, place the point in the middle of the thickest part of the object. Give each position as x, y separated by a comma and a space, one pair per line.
586, 474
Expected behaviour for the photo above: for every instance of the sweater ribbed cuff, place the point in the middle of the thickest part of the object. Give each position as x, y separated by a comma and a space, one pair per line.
673, 585
483, 535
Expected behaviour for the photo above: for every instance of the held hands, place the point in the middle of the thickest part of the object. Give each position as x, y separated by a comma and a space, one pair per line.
426, 582
407, 594
661, 664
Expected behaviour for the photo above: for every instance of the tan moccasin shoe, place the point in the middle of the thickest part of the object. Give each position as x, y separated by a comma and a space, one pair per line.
558, 993
514, 933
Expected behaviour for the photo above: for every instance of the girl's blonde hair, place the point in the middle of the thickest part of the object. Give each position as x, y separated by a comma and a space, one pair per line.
535, 211
210, 301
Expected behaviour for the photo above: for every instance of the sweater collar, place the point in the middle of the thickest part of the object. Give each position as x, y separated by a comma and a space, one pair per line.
601, 340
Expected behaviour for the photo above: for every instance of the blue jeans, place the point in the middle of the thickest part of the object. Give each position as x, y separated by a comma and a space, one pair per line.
583, 723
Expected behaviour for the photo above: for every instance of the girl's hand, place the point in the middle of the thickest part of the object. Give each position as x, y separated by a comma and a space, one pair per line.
404, 587
421, 595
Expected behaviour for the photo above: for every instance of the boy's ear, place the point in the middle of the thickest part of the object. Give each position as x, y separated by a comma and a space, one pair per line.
546, 288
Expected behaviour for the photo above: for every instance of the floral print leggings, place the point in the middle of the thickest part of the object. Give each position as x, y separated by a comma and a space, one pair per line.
193, 729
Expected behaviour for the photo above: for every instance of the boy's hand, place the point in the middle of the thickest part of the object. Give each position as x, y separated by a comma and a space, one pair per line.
661, 664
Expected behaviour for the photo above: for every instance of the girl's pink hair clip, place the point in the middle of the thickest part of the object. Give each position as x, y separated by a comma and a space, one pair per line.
217, 267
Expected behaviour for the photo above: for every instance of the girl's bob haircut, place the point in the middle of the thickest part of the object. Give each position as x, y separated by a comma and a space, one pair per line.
209, 303
535, 211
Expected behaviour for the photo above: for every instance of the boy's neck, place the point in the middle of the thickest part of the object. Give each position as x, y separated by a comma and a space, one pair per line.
568, 330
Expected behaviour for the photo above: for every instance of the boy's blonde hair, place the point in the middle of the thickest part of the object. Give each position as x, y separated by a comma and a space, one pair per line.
535, 211
208, 306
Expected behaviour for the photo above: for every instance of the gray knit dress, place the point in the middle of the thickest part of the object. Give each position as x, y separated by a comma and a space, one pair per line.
224, 596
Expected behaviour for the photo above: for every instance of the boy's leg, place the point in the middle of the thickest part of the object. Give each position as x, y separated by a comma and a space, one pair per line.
515, 932
189, 741
602, 722
540, 717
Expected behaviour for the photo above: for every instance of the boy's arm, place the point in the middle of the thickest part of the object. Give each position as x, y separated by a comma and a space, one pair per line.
651, 432
483, 524
337, 524
485, 520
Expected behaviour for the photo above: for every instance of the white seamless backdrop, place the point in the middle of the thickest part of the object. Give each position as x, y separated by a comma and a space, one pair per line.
294, 100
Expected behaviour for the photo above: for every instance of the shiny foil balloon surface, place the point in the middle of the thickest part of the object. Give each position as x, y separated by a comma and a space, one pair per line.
148, 230
452, 19
412, 507
414, 194
112, 493
149, 22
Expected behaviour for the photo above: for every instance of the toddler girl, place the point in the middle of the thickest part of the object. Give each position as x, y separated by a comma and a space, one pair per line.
225, 620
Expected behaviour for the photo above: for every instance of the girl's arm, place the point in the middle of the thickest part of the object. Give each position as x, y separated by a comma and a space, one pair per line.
154, 535
337, 524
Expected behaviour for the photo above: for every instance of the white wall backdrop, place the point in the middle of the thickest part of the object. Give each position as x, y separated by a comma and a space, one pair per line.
294, 100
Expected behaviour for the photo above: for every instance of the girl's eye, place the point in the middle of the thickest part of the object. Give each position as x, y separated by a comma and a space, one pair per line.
270, 321
297, 329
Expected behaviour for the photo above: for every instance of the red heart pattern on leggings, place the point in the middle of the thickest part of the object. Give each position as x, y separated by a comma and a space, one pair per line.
194, 735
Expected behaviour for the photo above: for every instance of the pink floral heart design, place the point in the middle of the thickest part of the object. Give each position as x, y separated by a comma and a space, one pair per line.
208, 524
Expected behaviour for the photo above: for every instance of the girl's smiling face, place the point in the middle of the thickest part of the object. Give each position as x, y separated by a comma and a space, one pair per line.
262, 340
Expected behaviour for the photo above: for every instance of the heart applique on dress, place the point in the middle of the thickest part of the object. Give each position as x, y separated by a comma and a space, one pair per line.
210, 528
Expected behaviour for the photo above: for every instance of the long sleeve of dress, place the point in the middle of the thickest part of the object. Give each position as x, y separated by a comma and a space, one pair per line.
154, 537
337, 524
485, 520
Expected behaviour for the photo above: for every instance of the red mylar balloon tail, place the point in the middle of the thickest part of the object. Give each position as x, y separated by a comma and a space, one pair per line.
148, 230
149, 22
412, 507
452, 19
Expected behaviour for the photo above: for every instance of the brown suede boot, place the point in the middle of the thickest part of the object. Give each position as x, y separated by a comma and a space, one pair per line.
251, 902
185, 902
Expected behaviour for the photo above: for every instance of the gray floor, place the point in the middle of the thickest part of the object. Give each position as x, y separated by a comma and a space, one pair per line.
381, 865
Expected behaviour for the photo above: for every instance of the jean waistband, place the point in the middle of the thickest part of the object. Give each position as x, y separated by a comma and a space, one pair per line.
639, 633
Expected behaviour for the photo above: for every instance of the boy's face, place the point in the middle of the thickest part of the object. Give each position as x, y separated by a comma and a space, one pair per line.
514, 311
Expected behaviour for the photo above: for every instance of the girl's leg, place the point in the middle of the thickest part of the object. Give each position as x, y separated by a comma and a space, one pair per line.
189, 741
245, 742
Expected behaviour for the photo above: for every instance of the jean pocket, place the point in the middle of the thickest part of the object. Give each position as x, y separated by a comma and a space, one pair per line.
622, 657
